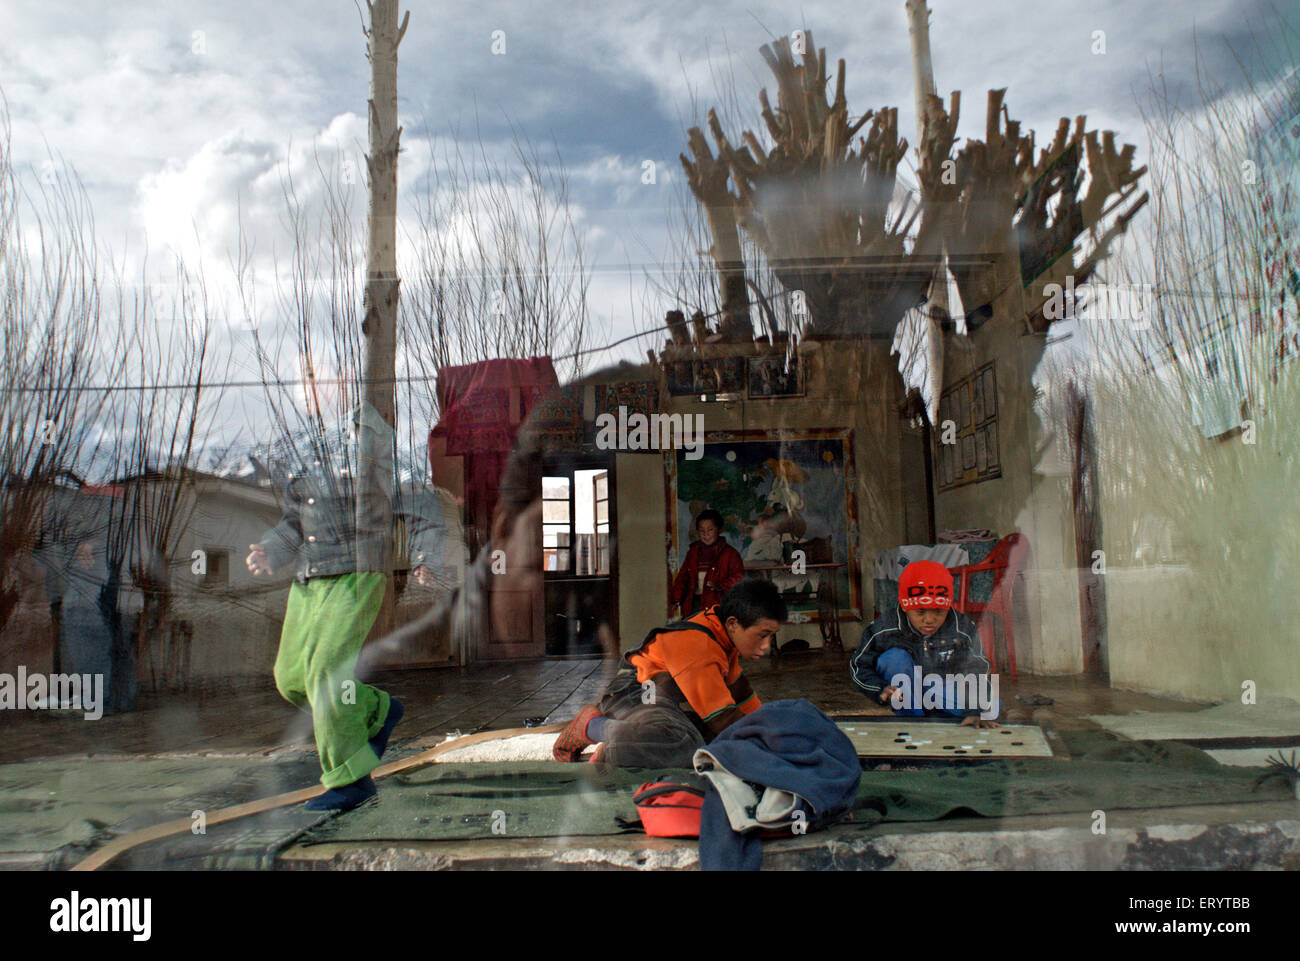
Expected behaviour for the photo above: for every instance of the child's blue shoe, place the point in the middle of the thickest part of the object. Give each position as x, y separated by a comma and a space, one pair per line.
344, 798
379, 742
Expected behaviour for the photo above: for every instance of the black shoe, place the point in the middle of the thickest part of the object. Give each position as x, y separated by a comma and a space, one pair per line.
344, 798
379, 742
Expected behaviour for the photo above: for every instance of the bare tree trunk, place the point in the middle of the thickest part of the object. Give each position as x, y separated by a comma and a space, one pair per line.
379, 326
918, 26
380, 323
708, 177
918, 22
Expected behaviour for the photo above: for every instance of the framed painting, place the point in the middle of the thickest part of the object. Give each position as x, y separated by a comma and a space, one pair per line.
773, 376
722, 375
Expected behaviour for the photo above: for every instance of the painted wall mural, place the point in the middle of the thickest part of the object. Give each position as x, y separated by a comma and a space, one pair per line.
788, 505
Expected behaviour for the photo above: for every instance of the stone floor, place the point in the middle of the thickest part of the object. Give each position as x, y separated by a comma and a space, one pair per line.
255, 720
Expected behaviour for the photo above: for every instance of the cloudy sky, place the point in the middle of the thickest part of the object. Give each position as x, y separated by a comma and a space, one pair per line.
182, 118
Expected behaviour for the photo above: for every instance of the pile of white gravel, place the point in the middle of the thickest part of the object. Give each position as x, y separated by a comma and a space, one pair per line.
520, 747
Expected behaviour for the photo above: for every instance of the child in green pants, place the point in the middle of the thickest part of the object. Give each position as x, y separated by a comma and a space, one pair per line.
340, 553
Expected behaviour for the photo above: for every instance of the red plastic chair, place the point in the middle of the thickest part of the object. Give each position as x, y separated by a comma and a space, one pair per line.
1006, 560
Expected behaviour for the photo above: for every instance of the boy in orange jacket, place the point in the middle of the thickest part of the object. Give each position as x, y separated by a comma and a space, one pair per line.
682, 686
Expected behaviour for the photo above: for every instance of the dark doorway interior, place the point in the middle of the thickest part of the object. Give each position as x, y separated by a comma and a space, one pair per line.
916, 471
1087, 534
579, 557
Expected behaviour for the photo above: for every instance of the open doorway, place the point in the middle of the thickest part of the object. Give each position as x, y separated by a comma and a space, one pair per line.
579, 558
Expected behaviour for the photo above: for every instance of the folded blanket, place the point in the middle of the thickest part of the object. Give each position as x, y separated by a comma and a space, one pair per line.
784, 767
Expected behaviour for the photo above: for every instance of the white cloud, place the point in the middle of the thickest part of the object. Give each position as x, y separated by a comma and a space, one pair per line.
190, 207
179, 140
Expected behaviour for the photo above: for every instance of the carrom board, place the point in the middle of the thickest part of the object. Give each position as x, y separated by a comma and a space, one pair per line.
893, 737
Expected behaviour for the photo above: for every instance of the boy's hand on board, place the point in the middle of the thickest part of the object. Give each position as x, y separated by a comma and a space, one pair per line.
974, 720
886, 694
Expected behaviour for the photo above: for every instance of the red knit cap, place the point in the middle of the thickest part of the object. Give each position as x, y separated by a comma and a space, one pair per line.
925, 584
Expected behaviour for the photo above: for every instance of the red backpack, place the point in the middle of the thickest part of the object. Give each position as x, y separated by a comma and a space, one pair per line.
669, 810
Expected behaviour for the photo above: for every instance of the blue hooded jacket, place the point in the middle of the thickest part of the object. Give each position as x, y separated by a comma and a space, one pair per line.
953, 649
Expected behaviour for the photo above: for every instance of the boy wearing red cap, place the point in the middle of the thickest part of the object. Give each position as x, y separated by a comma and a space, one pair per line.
922, 631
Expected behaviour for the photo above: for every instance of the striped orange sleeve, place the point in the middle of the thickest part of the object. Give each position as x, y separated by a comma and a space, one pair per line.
700, 669
741, 692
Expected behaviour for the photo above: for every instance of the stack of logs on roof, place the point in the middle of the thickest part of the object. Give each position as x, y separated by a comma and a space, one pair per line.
819, 207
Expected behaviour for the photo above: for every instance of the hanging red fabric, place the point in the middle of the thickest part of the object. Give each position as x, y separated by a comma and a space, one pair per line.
482, 406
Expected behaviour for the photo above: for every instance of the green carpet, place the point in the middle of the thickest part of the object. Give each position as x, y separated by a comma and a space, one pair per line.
521, 799
537, 800
1104, 773
64, 809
